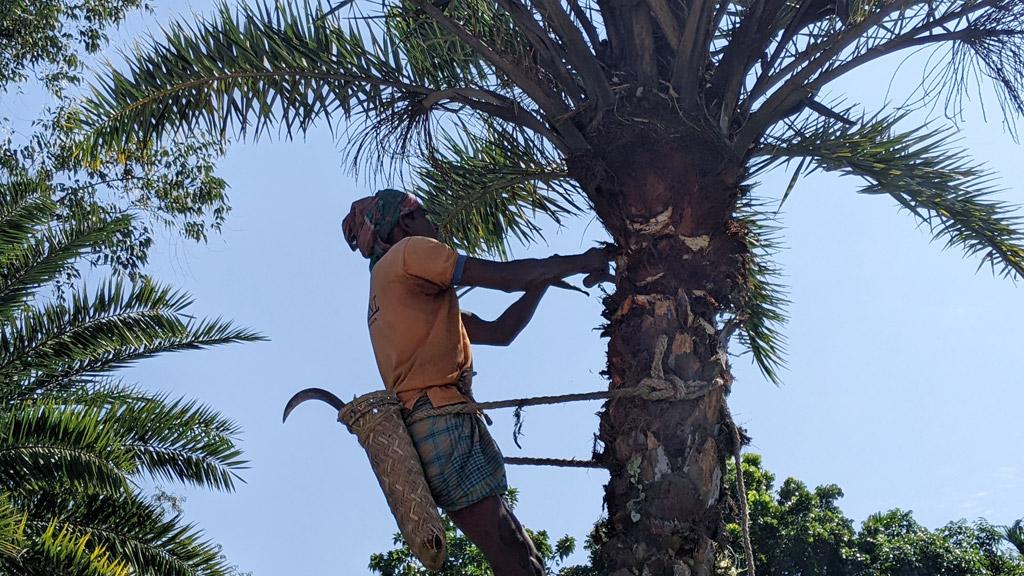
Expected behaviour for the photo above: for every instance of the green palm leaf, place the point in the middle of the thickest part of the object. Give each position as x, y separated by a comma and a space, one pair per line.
761, 311
178, 441
120, 529
60, 550
73, 442
61, 345
487, 190
922, 170
240, 73
121, 430
1014, 534
48, 444
34, 250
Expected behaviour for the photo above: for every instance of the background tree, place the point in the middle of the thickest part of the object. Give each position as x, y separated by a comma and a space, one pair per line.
45, 39
796, 530
655, 116
45, 44
1015, 535
75, 442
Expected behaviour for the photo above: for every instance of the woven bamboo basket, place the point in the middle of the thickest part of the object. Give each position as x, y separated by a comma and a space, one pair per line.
376, 420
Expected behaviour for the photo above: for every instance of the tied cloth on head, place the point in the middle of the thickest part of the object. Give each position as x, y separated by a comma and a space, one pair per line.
371, 220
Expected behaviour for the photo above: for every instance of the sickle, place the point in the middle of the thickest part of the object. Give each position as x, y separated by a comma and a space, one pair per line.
312, 394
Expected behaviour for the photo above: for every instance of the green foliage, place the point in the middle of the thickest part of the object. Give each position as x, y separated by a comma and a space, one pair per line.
761, 312
796, 530
45, 37
465, 559
243, 72
491, 189
894, 544
1014, 534
170, 186
924, 172
75, 443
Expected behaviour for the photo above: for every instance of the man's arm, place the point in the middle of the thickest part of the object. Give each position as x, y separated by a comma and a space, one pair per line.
503, 330
518, 275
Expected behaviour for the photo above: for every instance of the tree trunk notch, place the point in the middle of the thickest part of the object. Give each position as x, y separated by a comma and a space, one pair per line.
678, 271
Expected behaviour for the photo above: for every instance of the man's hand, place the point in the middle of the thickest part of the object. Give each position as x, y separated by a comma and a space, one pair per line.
598, 271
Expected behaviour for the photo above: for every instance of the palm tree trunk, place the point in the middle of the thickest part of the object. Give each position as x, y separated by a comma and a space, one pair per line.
679, 270
667, 457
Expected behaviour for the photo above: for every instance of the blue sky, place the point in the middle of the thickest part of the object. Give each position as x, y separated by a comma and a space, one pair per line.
903, 385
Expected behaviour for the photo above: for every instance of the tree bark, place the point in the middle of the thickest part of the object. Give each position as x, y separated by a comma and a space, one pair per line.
668, 202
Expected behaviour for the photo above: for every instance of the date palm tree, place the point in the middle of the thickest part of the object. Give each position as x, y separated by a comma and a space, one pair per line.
656, 116
75, 442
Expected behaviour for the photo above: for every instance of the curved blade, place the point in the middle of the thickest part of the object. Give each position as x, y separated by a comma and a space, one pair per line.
312, 394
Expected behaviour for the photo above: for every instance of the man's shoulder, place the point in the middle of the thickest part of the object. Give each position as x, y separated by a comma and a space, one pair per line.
418, 242
419, 248
416, 246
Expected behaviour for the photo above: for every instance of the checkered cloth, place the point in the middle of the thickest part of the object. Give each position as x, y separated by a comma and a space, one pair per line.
461, 461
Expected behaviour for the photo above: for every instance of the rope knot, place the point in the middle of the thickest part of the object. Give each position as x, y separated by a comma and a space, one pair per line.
674, 388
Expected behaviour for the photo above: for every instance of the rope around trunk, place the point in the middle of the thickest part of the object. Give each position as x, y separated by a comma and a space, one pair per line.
652, 389
649, 389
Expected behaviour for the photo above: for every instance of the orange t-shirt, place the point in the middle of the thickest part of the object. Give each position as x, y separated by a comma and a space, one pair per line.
415, 323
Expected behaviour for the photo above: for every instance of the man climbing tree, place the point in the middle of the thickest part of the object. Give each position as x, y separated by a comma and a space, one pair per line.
657, 117
422, 339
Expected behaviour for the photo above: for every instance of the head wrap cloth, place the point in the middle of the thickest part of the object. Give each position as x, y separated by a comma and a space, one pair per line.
371, 220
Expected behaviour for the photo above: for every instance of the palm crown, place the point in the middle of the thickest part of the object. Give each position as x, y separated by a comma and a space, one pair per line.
499, 105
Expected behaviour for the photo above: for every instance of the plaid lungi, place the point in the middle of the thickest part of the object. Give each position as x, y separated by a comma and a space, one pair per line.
461, 461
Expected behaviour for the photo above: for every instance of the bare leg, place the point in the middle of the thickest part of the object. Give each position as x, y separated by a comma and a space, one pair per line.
498, 534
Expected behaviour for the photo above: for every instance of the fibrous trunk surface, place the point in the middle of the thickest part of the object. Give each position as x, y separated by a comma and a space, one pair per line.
668, 201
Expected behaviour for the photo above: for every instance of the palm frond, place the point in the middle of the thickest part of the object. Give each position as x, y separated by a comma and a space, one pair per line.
122, 529
61, 550
60, 345
168, 440
761, 308
486, 190
24, 208
241, 72
12, 530
970, 43
34, 248
924, 172
178, 441
48, 444
1014, 534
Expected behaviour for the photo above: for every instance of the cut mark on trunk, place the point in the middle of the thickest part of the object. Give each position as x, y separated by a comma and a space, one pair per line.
660, 225
696, 243
650, 279
716, 486
706, 326
661, 463
633, 468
